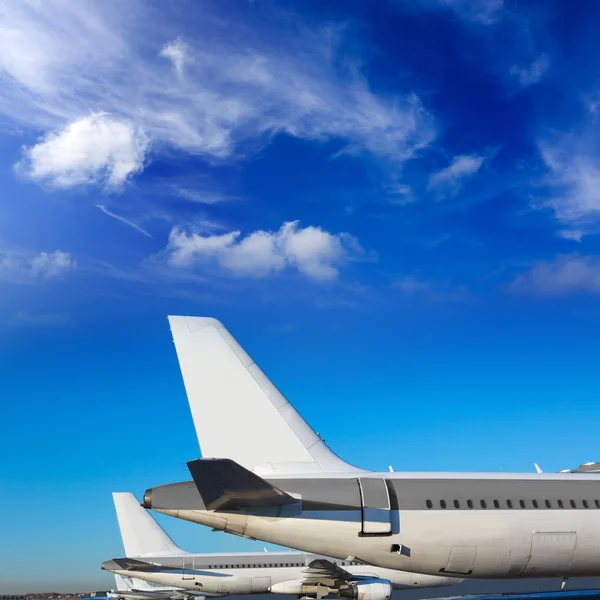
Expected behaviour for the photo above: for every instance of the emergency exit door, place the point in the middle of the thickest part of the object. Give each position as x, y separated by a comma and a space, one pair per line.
187, 571
375, 507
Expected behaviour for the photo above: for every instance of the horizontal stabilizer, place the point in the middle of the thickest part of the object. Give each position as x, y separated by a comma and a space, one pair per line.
129, 564
222, 483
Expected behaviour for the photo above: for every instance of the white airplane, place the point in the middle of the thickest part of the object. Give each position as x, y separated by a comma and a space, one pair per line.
131, 588
273, 478
153, 559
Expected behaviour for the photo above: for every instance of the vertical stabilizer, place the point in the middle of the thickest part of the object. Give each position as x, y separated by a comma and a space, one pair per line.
123, 584
141, 534
238, 413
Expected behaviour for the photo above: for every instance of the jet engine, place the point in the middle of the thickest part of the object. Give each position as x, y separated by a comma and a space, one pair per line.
369, 589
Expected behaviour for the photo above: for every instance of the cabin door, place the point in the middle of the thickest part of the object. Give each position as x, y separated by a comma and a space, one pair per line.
187, 571
375, 507
551, 553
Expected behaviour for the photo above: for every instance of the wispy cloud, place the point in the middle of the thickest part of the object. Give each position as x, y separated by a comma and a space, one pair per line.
97, 149
571, 183
203, 196
532, 73
122, 219
23, 267
24, 318
312, 251
178, 53
480, 12
449, 180
60, 60
429, 290
564, 275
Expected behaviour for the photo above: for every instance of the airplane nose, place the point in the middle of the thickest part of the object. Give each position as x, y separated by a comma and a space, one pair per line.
147, 499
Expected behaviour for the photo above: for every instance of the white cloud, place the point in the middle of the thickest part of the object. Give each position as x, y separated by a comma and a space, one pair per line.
564, 275
91, 150
60, 59
532, 73
178, 53
450, 179
572, 179
20, 267
313, 251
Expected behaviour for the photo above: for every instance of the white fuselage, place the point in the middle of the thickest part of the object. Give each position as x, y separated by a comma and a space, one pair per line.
467, 525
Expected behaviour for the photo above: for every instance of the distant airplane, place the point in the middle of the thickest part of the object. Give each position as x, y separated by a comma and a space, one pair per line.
159, 569
131, 588
274, 479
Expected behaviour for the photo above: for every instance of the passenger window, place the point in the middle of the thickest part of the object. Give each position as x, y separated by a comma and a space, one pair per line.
585, 503
456, 504
483, 504
597, 503
573, 504
496, 504
429, 504
470, 503
522, 503
509, 503
548, 505
535, 503
560, 504
443, 503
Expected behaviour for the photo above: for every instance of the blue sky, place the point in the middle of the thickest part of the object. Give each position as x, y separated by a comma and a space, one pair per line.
393, 205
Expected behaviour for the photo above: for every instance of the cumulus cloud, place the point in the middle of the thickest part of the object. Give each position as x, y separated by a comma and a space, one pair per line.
97, 149
564, 275
61, 59
449, 180
312, 251
20, 267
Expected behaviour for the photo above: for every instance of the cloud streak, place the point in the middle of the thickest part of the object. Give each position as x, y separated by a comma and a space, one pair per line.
122, 219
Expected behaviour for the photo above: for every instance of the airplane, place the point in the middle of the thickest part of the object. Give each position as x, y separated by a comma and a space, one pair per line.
265, 474
132, 588
152, 558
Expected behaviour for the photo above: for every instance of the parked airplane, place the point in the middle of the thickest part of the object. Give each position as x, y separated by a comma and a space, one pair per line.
152, 556
275, 479
132, 588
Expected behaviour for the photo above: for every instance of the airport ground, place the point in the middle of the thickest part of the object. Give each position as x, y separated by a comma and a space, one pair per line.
472, 589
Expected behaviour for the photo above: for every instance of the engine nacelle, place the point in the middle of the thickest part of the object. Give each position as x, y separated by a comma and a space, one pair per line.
369, 589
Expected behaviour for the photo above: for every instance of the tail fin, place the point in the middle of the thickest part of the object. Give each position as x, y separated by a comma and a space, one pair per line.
141, 534
238, 413
123, 583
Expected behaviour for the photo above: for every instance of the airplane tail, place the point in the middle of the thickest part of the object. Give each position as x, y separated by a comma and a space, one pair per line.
123, 583
238, 413
141, 534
